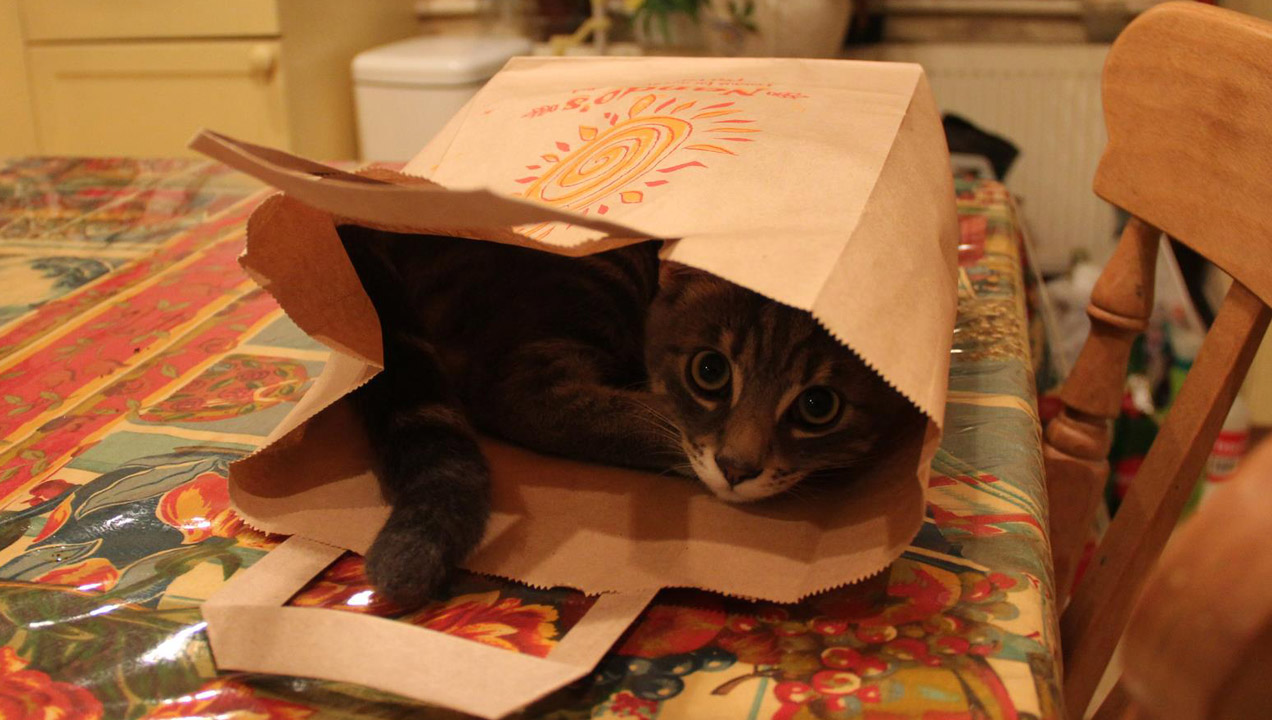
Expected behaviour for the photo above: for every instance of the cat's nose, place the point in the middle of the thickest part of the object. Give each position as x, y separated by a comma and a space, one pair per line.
737, 471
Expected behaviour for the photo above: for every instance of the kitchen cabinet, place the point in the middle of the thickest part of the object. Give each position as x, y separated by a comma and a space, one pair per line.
140, 77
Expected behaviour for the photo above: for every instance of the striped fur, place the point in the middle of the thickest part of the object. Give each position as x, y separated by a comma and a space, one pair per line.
542, 350
775, 352
585, 358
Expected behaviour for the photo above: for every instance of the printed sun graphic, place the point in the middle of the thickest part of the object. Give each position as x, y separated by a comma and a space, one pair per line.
621, 160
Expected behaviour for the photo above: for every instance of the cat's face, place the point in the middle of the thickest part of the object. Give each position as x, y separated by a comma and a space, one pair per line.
761, 394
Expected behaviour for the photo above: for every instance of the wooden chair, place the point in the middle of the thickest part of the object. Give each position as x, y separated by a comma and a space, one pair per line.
1188, 106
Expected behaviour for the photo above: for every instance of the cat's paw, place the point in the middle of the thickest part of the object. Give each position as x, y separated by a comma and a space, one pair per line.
405, 566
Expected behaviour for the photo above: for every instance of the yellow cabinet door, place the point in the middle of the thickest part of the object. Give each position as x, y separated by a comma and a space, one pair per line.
148, 99
94, 19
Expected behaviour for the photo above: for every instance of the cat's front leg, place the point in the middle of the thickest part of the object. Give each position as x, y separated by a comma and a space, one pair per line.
432, 473
554, 399
600, 424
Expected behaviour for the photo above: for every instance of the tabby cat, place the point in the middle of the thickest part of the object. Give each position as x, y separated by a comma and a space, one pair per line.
607, 358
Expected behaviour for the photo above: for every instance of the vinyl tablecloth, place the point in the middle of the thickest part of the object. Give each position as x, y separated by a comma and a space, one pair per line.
137, 361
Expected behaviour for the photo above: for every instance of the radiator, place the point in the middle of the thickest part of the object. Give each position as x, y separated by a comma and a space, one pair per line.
1045, 98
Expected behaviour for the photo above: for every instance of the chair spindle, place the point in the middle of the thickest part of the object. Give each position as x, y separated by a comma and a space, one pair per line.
1077, 441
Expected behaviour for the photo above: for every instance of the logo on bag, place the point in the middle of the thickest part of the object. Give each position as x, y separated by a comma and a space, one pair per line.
618, 162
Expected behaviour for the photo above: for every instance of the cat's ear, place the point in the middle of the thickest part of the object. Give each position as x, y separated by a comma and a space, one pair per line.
671, 274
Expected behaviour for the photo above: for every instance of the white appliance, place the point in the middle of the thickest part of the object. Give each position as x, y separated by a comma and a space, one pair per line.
405, 92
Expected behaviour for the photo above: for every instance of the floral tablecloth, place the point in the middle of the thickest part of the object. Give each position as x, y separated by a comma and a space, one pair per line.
137, 361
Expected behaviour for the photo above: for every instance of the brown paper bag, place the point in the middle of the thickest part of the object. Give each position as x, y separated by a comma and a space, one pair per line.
824, 185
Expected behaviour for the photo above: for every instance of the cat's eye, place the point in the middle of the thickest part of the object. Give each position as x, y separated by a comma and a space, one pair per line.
709, 371
816, 407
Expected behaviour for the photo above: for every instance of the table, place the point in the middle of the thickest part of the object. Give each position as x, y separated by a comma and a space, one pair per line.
137, 361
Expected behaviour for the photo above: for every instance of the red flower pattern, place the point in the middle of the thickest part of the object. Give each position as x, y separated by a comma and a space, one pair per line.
344, 586
33, 695
842, 651
55, 520
47, 490
224, 698
237, 385
625, 704
502, 622
980, 525
91, 575
200, 509
971, 246
671, 629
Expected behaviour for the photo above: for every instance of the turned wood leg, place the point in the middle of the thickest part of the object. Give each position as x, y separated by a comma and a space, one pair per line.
1076, 443
1076, 457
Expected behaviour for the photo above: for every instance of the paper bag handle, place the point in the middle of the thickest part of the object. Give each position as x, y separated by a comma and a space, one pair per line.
421, 207
251, 629
242, 155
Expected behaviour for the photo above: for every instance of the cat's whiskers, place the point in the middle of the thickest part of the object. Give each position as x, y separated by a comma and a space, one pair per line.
656, 414
663, 431
667, 429
805, 492
682, 469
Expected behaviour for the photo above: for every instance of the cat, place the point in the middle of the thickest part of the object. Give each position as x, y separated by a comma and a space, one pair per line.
612, 358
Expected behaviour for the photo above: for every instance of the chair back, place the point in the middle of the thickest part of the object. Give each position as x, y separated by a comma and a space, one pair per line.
1187, 94
1188, 106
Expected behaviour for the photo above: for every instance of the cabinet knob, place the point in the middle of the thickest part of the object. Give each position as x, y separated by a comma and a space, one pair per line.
261, 61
